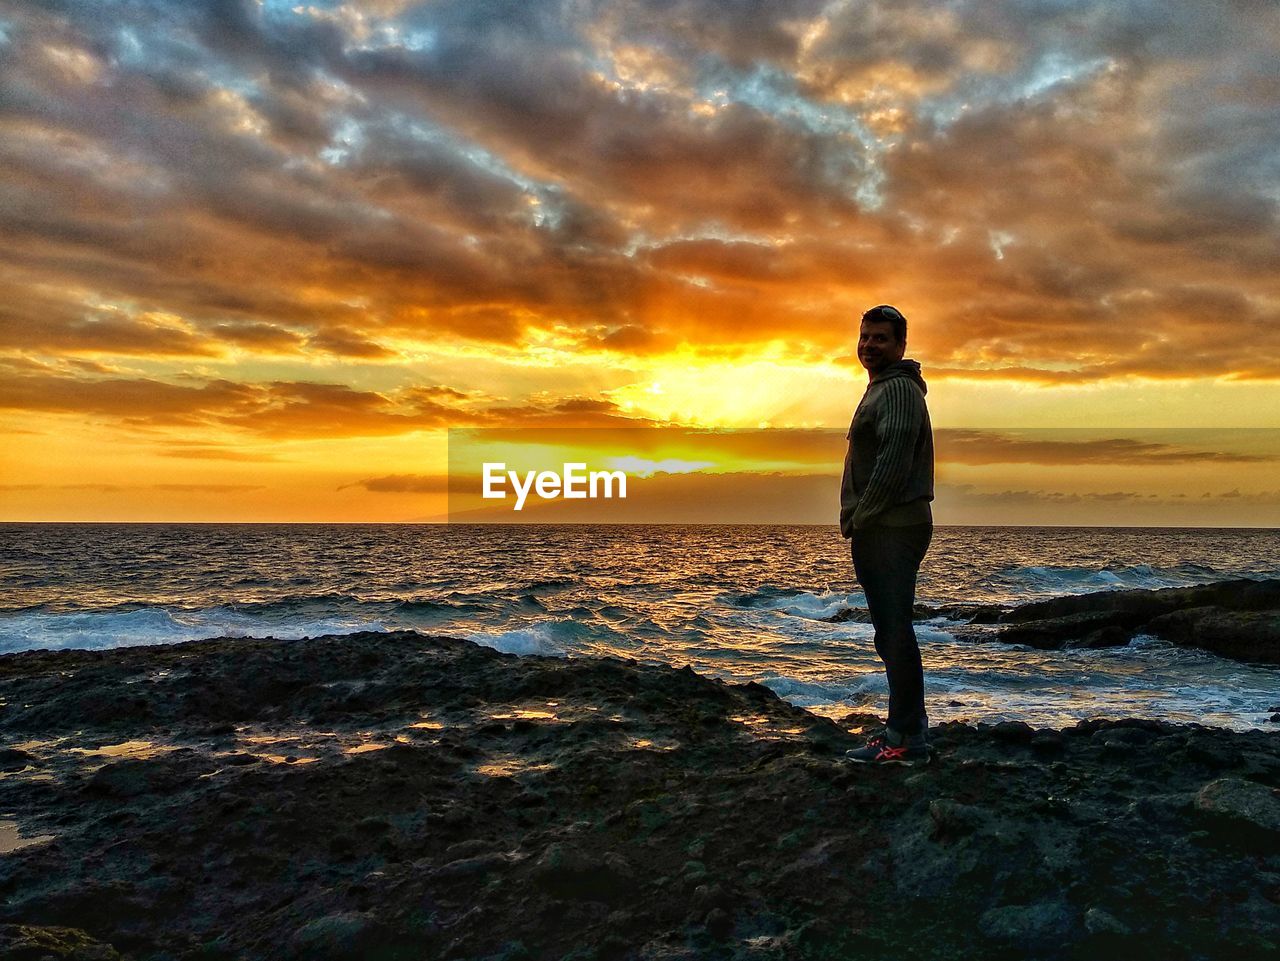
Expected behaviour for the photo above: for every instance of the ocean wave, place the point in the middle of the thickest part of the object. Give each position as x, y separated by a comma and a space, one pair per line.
553, 638
1038, 579
24, 608
325, 600
550, 583
562, 636
426, 605
935, 634
797, 603
96, 630
815, 693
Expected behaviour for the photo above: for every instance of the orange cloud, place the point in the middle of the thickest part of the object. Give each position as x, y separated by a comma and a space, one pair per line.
201, 213
1058, 447
407, 484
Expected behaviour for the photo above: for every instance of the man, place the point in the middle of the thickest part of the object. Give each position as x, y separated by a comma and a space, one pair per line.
884, 510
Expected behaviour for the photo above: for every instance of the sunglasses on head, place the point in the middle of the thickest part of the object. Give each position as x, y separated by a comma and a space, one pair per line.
883, 312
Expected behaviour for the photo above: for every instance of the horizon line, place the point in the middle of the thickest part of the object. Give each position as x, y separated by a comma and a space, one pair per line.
420, 523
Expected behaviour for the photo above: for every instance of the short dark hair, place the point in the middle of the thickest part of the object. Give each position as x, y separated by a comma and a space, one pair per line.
884, 314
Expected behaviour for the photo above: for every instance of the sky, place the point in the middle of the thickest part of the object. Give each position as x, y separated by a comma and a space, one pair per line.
257, 258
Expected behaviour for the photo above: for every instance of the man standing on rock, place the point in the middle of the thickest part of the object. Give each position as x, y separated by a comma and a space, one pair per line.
884, 510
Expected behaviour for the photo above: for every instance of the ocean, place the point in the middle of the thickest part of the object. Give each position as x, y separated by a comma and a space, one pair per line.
740, 603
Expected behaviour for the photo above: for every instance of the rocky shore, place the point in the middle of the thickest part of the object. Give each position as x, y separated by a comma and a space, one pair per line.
1234, 619
1238, 619
398, 796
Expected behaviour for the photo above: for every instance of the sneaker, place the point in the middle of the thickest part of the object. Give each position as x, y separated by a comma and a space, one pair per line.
890, 747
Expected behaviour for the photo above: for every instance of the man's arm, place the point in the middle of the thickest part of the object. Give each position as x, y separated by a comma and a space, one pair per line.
848, 496
900, 417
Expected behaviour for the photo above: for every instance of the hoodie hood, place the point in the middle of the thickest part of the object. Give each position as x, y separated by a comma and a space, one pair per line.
902, 368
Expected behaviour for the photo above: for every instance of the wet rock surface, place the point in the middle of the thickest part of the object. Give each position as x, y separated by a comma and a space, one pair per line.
1237, 619
26, 943
397, 796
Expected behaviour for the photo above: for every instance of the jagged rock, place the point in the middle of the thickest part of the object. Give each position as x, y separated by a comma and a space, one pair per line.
708, 896
968, 613
28, 942
1246, 806
647, 821
973, 613
1057, 632
953, 819
719, 923
477, 866
338, 937
1048, 743
1109, 636
1237, 619
1240, 635
130, 778
859, 614
1098, 921
11, 759
573, 872
1013, 732
1030, 928
1241, 595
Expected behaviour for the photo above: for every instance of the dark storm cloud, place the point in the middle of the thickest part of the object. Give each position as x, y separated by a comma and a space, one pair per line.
1137, 176
520, 81
741, 32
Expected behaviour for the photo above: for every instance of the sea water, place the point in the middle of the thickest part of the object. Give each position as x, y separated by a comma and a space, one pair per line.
741, 603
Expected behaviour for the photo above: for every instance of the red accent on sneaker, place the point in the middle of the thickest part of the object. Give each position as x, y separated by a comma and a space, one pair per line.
888, 753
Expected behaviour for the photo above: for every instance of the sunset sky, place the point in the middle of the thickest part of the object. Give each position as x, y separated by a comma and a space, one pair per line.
257, 258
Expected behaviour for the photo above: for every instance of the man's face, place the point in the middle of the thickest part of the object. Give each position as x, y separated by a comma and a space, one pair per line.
877, 348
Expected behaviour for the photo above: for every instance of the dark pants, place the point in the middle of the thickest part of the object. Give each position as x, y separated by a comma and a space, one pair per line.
886, 561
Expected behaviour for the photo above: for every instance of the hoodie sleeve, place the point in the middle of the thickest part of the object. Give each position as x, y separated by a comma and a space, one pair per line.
848, 496
898, 423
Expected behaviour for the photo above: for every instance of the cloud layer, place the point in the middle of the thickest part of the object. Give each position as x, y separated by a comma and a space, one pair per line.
1056, 193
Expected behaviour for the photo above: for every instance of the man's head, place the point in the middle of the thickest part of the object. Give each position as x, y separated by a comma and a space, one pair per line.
882, 339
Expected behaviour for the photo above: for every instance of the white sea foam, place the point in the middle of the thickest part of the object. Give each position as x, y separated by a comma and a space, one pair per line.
676, 601
547, 638
807, 604
873, 681
1148, 642
813, 693
1031, 581
933, 634
156, 625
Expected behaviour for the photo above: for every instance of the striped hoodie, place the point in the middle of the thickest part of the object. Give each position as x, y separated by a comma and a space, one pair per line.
888, 469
